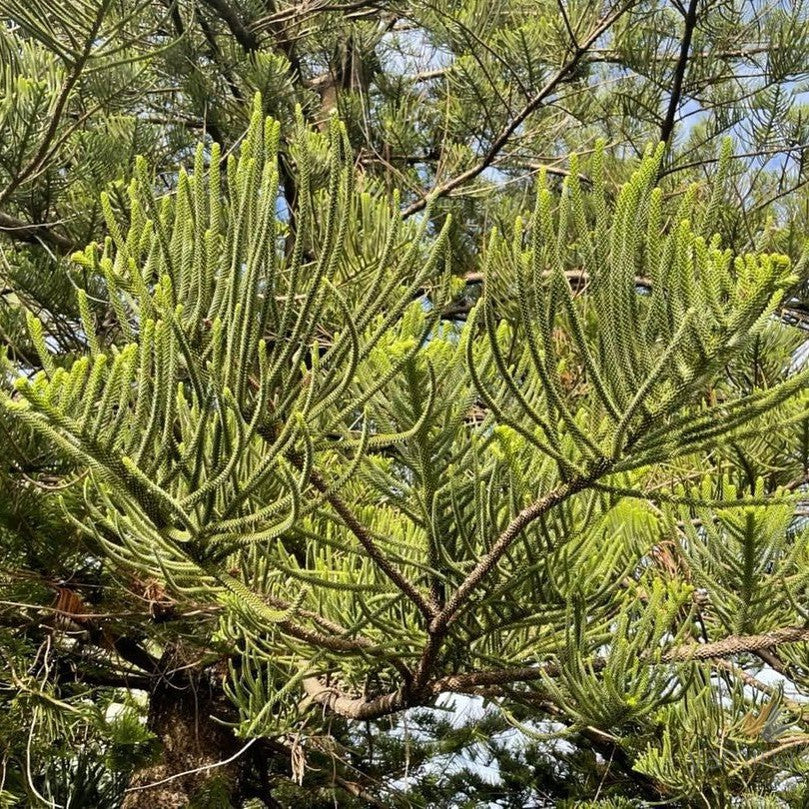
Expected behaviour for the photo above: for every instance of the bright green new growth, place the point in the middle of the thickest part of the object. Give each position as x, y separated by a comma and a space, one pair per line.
288, 428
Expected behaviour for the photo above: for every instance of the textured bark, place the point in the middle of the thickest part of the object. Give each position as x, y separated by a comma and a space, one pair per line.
181, 706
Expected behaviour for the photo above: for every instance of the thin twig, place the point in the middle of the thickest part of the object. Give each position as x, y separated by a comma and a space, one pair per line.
41, 232
174, 777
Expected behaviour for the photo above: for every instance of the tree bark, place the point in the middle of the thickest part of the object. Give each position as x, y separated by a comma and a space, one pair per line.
182, 704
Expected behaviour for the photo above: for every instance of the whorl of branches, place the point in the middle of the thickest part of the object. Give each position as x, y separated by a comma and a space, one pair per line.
285, 433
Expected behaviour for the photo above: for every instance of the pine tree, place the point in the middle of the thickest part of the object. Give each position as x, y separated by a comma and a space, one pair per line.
302, 442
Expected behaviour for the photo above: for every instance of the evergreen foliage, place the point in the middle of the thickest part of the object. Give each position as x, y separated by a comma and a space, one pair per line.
307, 444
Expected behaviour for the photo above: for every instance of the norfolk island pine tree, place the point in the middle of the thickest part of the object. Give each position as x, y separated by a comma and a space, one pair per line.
541, 430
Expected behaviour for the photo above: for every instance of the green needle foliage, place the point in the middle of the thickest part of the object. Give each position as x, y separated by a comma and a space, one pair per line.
387, 419
290, 436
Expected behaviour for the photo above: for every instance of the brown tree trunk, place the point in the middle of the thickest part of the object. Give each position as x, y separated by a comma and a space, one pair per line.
182, 703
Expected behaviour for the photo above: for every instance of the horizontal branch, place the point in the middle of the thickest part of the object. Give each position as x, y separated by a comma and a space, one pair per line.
736, 644
461, 683
794, 312
353, 707
578, 279
108, 679
297, 13
616, 57
472, 682
39, 232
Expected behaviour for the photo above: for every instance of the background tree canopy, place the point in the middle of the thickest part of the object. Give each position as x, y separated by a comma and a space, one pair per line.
403, 403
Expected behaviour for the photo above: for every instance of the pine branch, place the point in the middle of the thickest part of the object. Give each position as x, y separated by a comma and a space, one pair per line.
794, 312
469, 682
245, 37
298, 13
533, 104
339, 642
679, 72
767, 152
610, 750
367, 542
512, 531
42, 153
472, 682
358, 791
613, 57
35, 233
79, 674
737, 644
